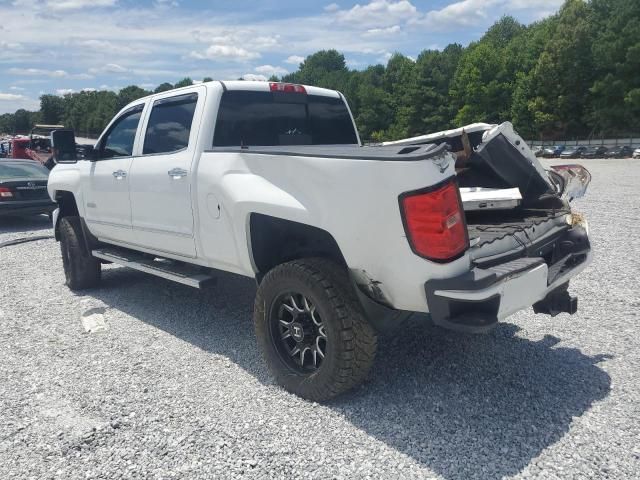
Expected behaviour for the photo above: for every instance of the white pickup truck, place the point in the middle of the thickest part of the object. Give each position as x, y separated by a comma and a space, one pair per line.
269, 180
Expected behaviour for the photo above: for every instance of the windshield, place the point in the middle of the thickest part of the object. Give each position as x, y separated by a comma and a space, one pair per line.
248, 118
11, 171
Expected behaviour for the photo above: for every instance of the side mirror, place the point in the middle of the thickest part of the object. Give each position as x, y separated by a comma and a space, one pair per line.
63, 146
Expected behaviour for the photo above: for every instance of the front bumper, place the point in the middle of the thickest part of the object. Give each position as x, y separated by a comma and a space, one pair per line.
477, 300
27, 207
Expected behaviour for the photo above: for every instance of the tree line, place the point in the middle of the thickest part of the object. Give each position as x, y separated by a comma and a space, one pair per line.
573, 74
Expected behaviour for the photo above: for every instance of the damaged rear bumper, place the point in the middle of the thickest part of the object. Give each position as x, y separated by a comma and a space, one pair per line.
477, 300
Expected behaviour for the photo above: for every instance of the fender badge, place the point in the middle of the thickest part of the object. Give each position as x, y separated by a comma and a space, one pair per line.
442, 163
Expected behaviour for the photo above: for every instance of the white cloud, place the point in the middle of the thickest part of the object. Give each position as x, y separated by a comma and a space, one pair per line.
78, 4
294, 59
19, 89
38, 72
216, 52
253, 76
271, 70
465, 13
64, 91
385, 57
526, 4
109, 68
332, 7
108, 48
377, 14
10, 102
382, 32
4, 97
165, 3
9, 45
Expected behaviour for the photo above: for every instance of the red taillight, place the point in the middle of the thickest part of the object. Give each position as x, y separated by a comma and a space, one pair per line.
287, 88
5, 193
434, 222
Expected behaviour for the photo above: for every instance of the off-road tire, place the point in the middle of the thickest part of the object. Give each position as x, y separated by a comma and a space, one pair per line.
81, 269
351, 340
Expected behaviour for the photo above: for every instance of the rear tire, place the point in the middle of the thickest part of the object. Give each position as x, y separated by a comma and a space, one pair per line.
311, 329
81, 269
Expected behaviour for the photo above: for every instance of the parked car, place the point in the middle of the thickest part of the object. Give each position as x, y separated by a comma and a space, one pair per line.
23, 188
636, 153
5, 147
270, 181
594, 152
552, 152
573, 152
620, 151
537, 151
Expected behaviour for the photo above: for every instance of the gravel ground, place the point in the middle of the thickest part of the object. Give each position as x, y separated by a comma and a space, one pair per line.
175, 387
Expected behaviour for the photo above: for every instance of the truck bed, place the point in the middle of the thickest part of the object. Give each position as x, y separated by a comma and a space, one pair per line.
347, 152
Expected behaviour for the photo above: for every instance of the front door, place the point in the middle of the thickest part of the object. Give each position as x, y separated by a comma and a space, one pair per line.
161, 176
108, 208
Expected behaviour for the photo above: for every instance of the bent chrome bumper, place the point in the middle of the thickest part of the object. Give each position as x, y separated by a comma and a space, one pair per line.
475, 301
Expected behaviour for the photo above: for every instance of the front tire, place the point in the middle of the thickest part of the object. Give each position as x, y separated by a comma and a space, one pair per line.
313, 335
81, 269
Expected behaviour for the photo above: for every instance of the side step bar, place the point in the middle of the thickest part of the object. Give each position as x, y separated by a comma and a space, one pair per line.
171, 270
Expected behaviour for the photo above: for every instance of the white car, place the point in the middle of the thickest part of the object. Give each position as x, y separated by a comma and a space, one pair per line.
270, 181
636, 153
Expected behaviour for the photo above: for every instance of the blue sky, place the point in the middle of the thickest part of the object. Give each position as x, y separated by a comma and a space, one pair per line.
61, 46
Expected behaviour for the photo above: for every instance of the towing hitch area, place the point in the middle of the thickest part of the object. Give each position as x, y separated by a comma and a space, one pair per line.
558, 301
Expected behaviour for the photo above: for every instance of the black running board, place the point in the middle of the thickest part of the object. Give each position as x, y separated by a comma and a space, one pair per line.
185, 274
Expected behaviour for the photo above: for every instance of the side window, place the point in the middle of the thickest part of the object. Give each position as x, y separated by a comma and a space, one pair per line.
119, 140
169, 124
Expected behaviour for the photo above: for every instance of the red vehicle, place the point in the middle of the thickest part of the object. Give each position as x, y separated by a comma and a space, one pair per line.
35, 147
18, 147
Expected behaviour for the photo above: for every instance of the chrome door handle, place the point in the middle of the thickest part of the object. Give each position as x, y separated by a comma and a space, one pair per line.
177, 173
119, 174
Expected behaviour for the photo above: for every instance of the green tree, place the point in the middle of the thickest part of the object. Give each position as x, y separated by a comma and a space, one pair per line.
483, 84
129, 94
561, 79
435, 70
163, 87
23, 120
51, 109
185, 82
615, 92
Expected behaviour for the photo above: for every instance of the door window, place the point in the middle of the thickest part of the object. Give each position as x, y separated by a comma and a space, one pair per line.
169, 124
118, 142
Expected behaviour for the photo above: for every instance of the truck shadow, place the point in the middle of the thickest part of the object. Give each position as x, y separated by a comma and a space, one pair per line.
464, 406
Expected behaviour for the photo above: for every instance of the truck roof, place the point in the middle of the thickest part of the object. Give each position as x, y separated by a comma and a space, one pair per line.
259, 86
246, 85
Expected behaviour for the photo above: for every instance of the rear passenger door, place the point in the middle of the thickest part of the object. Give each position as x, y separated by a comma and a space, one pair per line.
161, 174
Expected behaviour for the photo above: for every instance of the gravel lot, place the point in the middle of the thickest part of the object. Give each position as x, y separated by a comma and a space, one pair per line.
175, 388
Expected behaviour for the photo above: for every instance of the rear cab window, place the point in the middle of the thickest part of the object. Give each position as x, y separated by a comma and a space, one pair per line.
169, 125
254, 118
